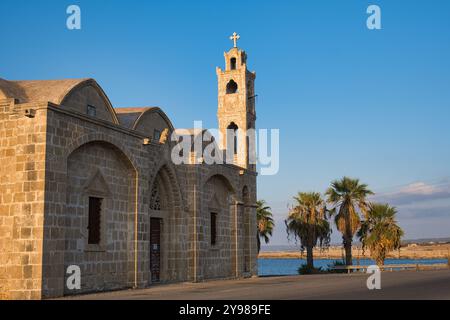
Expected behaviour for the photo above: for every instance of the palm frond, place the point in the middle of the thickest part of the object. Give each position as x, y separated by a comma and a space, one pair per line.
380, 232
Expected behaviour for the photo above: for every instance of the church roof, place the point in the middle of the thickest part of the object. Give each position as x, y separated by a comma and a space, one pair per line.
55, 91
129, 117
38, 90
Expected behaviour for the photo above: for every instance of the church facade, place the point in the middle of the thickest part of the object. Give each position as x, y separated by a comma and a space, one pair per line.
85, 186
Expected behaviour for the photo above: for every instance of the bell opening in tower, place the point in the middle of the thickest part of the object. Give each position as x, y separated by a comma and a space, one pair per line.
232, 87
233, 63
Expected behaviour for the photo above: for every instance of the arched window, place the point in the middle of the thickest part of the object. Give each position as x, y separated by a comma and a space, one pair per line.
233, 63
232, 87
232, 133
155, 198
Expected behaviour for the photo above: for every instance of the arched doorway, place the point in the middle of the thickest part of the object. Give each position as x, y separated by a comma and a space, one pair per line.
167, 243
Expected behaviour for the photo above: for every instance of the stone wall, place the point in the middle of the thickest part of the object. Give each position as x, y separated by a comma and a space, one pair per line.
89, 94
217, 260
218, 188
151, 121
50, 165
98, 169
22, 174
76, 141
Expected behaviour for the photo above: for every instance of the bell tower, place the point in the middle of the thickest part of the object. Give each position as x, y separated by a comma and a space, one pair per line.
236, 106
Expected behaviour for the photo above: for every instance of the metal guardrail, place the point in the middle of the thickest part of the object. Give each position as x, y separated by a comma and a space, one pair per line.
392, 267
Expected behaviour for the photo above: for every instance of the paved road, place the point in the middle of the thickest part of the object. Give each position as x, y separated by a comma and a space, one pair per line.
394, 285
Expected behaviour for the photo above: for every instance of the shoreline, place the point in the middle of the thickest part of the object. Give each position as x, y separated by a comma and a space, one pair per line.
408, 252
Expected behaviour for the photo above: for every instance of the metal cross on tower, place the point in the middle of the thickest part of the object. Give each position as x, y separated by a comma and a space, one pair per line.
235, 37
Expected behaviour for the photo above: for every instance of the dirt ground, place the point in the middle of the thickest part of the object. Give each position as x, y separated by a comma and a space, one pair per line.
394, 285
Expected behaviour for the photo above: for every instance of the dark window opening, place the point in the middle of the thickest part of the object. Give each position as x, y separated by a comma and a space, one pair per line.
91, 111
232, 87
232, 133
213, 228
156, 135
95, 209
233, 64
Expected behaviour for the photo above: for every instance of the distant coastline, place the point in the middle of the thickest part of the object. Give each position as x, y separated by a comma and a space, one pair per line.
408, 251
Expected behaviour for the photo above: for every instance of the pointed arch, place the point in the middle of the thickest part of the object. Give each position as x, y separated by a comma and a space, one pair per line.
101, 195
167, 173
64, 97
221, 176
220, 230
166, 205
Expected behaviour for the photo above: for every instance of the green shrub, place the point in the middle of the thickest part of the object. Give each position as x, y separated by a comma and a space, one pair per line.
304, 269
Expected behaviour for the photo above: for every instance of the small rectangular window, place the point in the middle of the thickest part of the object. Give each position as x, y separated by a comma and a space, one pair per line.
94, 223
213, 228
91, 111
156, 135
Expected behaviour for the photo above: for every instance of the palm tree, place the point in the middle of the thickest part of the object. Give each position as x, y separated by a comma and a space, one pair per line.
265, 222
307, 221
347, 195
380, 232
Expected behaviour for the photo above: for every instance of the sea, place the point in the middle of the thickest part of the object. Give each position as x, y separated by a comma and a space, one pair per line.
285, 267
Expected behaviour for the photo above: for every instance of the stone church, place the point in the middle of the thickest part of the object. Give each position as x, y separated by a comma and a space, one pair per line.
89, 186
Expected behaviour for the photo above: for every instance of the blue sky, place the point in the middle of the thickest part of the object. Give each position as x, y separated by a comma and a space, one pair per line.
347, 100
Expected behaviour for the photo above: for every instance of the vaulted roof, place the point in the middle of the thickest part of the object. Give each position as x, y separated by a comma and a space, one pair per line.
57, 91
39, 90
129, 117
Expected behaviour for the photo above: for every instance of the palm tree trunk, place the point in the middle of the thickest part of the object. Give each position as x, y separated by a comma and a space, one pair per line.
380, 262
309, 258
348, 251
380, 259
